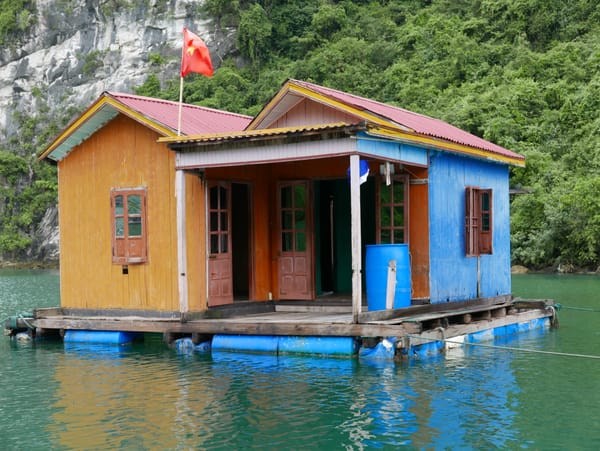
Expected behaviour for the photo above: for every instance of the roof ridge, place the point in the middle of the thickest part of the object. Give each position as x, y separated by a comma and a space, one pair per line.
366, 99
118, 95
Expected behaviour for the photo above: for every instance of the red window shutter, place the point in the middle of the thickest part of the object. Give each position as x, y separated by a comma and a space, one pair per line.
471, 222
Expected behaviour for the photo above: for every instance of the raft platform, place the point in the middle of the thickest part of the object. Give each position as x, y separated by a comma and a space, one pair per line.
312, 327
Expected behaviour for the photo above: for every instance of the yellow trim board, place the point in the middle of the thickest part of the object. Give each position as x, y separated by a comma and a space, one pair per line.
251, 133
93, 110
445, 145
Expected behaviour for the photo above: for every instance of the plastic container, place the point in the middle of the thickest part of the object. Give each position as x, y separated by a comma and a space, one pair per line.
101, 337
377, 262
318, 345
248, 343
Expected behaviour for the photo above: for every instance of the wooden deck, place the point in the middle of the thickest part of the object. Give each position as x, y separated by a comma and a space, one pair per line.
302, 319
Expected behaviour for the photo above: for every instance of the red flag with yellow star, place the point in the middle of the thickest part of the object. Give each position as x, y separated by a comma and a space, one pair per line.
194, 55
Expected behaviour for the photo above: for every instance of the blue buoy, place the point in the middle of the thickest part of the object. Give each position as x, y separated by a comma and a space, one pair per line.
249, 343
101, 337
318, 345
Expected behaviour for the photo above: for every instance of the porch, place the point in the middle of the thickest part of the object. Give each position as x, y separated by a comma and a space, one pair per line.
324, 318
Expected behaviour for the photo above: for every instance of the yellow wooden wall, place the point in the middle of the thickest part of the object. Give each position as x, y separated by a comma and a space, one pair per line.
122, 154
196, 241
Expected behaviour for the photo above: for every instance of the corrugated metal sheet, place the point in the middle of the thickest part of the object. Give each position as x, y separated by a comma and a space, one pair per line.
160, 115
265, 133
194, 119
418, 123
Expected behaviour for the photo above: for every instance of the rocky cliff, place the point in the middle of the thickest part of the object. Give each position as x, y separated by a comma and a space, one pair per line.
75, 49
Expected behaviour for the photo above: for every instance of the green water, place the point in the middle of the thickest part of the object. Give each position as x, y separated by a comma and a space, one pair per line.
148, 397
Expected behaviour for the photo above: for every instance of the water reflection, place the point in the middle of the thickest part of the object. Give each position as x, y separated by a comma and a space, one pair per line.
115, 397
111, 397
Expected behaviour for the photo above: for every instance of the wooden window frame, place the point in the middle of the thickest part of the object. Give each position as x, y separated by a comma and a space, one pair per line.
128, 248
404, 203
478, 221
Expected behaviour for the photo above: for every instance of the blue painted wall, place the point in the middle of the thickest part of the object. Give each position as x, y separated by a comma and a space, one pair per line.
453, 276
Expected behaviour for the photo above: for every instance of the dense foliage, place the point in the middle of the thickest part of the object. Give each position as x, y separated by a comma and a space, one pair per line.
521, 73
27, 187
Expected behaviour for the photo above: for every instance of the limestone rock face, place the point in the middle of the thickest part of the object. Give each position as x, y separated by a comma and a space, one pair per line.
77, 49
80, 48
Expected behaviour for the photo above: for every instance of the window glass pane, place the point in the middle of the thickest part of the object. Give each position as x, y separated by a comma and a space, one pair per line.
134, 204
398, 216
286, 197
286, 220
118, 205
300, 242
485, 201
384, 193
119, 227
214, 198
224, 243
385, 236
214, 221
299, 219
214, 244
398, 192
485, 222
223, 198
398, 236
287, 242
299, 196
224, 224
134, 226
385, 220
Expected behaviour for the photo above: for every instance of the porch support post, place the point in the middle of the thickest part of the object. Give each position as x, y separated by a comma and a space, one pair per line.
355, 234
181, 241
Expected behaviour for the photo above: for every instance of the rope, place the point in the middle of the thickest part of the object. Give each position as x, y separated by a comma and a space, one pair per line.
511, 348
22, 318
583, 309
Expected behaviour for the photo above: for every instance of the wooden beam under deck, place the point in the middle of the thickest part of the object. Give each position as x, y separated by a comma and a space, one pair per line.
242, 326
300, 323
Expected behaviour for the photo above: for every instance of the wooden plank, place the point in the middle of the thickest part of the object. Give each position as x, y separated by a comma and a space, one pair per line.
230, 327
448, 313
382, 315
355, 234
462, 329
314, 308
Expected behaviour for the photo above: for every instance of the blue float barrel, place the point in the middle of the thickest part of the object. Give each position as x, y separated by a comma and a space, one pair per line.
249, 343
377, 262
346, 346
101, 337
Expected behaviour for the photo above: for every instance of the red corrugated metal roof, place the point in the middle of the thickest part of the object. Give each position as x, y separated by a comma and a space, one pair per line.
418, 123
195, 120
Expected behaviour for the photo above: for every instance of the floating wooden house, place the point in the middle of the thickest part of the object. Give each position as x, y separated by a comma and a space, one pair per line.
280, 209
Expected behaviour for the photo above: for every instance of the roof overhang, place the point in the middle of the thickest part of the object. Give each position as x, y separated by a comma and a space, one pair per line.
292, 93
93, 119
396, 134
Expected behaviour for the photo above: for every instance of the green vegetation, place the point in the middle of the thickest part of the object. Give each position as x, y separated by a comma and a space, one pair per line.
15, 16
521, 73
27, 187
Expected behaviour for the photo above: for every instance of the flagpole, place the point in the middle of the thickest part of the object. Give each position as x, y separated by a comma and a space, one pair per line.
180, 104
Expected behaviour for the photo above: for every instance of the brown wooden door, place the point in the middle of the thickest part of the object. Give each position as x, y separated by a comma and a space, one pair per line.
295, 241
220, 281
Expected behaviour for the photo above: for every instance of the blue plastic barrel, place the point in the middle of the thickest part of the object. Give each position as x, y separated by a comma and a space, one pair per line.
101, 337
249, 343
377, 262
318, 345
